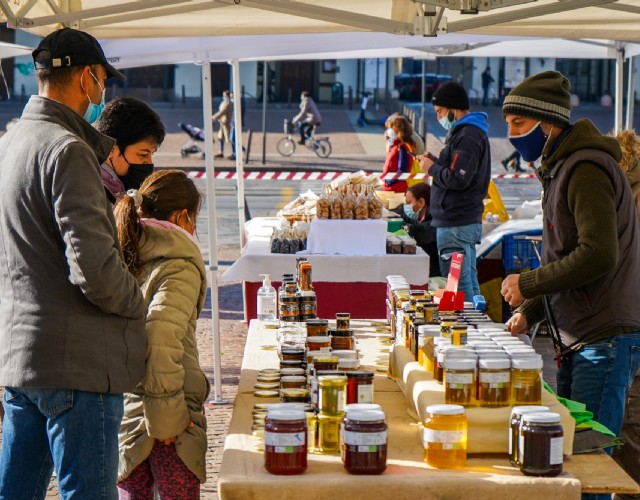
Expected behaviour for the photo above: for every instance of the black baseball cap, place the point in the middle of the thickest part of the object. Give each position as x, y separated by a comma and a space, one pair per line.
68, 47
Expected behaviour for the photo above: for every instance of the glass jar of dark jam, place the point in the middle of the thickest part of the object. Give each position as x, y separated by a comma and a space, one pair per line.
514, 429
285, 442
359, 387
365, 442
293, 354
541, 444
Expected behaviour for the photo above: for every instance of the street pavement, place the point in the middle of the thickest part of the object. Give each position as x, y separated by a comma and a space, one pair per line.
354, 148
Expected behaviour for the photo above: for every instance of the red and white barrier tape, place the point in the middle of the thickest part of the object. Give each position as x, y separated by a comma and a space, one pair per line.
325, 176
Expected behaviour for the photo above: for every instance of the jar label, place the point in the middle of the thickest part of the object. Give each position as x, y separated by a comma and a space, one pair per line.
365, 393
285, 442
450, 440
555, 450
495, 378
454, 379
352, 438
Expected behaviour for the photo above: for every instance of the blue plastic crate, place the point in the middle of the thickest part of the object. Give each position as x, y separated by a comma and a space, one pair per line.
518, 253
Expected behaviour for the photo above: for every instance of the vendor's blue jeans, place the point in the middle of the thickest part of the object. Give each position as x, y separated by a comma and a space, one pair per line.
461, 239
75, 431
599, 375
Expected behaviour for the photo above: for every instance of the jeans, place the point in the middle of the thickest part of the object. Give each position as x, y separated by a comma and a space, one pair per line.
462, 239
599, 375
74, 431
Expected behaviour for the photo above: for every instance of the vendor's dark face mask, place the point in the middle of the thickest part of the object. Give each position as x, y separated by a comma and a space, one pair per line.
136, 175
530, 144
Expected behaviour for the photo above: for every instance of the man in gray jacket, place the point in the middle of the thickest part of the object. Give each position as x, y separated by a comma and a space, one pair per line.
71, 315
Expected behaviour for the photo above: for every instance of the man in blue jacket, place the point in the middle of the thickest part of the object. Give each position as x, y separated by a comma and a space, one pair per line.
460, 179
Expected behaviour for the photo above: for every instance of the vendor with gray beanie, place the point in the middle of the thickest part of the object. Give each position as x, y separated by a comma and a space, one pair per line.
460, 179
587, 286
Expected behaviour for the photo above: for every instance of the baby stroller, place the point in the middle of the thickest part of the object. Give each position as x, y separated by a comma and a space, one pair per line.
196, 135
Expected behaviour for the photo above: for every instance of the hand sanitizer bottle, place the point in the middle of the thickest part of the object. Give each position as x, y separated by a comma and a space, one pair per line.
267, 300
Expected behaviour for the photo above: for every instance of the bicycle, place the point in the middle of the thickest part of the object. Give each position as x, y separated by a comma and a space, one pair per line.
287, 145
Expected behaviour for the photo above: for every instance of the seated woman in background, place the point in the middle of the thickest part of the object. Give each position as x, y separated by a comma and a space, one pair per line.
416, 214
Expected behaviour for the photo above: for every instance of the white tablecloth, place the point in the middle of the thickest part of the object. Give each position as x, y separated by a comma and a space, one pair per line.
256, 259
347, 237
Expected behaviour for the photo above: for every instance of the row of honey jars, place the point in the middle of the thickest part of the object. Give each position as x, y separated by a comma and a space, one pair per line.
491, 382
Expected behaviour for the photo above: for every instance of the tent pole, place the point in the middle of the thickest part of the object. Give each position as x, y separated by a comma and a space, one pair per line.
265, 96
207, 111
631, 102
423, 93
237, 115
619, 96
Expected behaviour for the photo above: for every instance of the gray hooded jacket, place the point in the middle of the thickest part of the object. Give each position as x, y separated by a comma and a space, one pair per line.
71, 314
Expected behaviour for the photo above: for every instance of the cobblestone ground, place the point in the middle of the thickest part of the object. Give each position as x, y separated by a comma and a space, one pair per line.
233, 333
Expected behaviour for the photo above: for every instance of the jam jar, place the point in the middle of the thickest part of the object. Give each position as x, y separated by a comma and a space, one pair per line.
317, 327
359, 387
494, 382
343, 321
460, 385
332, 394
285, 442
329, 433
318, 342
541, 443
294, 395
526, 381
292, 353
293, 382
365, 442
444, 436
514, 429
342, 340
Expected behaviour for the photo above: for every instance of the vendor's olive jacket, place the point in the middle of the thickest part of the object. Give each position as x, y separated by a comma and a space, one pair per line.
71, 314
174, 388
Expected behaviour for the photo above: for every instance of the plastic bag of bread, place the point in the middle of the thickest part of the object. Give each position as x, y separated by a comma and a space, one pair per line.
375, 204
348, 204
336, 205
323, 205
362, 206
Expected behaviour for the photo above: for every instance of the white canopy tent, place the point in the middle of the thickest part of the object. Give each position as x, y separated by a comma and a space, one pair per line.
605, 19
8, 50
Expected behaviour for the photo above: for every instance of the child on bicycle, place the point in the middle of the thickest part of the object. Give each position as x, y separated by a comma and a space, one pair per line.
163, 432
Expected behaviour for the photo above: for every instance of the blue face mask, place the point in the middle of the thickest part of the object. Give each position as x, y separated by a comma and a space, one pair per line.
94, 111
409, 212
446, 123
531, 144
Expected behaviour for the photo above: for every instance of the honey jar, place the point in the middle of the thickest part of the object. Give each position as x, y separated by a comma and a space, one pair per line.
332, 394
444, 436
285, 442
526, 381
514, 429
318, 342
365, 442
541, 444
317, 327
342, 340
460, 386
343, 321
494, 382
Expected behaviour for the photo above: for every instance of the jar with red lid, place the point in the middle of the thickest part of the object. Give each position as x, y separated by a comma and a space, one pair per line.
365, 442
359, 387
285, 442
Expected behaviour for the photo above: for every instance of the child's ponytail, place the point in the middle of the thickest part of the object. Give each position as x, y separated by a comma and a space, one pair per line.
129, 228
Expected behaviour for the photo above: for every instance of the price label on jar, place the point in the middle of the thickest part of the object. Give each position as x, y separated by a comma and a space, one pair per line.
365, 393
449, 440
454, 379
495, 378
555, 450
284, 442
352, 438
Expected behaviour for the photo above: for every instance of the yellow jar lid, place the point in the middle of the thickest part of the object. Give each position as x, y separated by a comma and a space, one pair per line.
332, 380
326, 359
266, 386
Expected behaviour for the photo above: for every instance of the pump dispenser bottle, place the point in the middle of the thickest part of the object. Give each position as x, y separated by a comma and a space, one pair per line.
267, 300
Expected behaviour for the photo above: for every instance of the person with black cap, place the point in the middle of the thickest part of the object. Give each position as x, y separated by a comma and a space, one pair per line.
72, 335
460, 180
587, 286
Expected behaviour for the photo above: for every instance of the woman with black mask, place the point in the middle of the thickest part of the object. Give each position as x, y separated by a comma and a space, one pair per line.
138, 132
